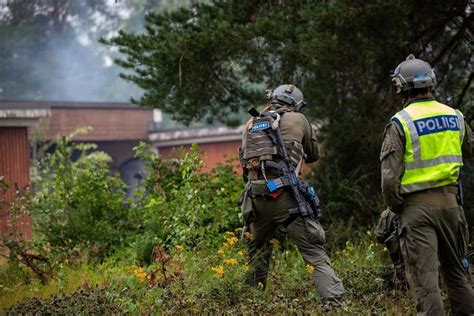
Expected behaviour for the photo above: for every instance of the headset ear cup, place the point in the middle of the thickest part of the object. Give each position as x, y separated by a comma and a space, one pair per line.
268, 94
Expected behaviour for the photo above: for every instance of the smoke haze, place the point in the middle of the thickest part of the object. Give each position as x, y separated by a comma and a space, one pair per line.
50, 51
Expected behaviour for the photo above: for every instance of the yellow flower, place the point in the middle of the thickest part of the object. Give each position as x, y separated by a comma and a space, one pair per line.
141, 277
248, 235
309, 268
179, 248
230, 242
231, 261
220, 252
137, 272
229, 234
241, 253
219, 270
245, 267
274, 242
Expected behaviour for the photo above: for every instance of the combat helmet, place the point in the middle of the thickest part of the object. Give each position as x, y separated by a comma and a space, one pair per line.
287, 94
413, 73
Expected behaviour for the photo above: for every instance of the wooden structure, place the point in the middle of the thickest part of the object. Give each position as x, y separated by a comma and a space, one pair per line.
14, 161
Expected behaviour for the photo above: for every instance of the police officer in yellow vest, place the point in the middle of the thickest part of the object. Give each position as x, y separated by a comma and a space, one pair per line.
269, 201
421, 158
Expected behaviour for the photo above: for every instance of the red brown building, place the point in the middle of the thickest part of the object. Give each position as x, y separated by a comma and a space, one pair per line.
217, 144
15, 123
115, 127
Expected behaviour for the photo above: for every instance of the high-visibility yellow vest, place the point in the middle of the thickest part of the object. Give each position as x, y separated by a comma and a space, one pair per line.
434, 133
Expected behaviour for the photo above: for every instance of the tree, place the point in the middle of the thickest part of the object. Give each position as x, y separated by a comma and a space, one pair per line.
213, 59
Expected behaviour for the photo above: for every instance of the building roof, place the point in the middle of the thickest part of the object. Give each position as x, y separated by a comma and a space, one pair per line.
25, 104
110, 121
22, 116
185, 136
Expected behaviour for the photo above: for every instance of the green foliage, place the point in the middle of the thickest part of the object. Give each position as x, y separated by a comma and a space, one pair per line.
181, 205
216, 58
77, 204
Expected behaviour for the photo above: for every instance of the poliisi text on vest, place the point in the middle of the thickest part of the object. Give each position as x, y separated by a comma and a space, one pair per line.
436, 124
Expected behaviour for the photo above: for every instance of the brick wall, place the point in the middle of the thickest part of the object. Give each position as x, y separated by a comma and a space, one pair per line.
109, 124
212, 153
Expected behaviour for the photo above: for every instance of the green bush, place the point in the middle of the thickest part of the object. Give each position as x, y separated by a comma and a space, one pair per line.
77, 204
181, 205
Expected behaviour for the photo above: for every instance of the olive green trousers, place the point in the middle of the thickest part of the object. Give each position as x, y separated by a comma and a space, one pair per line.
433, 238
307, 234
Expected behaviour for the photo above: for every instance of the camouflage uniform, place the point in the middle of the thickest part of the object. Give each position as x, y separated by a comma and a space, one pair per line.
433, 231
265, 213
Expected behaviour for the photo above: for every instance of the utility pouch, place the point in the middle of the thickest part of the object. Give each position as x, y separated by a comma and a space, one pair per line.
311, 198
387, 227
246, 205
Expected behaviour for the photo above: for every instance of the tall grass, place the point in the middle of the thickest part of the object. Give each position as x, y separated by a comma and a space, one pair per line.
211, 280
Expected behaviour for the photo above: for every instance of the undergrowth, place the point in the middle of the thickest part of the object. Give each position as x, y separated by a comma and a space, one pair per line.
207, 280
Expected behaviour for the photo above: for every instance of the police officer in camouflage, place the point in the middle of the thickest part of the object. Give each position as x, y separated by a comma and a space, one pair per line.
421, 157
264, 210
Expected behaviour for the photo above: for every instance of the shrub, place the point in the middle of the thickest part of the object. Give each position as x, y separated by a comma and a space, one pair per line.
76, 203
181, 205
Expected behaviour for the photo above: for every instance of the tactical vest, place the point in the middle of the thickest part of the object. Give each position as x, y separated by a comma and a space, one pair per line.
259, 145
434, 133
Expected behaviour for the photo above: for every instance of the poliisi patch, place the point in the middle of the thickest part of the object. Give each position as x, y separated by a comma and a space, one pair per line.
436, 124
260, 126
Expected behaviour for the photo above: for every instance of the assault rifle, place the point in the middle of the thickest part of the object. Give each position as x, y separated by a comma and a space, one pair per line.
303, 193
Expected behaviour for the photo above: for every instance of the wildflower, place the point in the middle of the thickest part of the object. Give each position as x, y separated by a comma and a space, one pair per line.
179, 248
141, 277
229, 234
241, 253
309, 268
138, 272
248, 235
274, 242
219, 270
230, 242
220, 252
245, 267
231, 261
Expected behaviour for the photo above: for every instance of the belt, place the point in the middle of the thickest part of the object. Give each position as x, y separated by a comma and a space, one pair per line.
447, 189
445, 196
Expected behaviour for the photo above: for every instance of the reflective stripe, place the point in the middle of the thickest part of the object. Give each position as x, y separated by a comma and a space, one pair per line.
461, 125
409, 188
432, 162
415, 140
